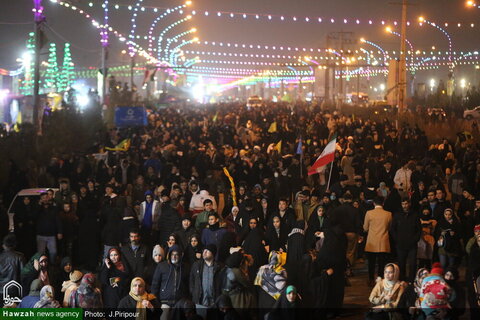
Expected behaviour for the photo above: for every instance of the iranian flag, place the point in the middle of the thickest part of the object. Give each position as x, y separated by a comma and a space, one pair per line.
325, 158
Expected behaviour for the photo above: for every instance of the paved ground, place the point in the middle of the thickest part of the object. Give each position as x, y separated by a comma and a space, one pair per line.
356, 296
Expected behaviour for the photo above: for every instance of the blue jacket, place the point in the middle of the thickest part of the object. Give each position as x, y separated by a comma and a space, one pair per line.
213, 235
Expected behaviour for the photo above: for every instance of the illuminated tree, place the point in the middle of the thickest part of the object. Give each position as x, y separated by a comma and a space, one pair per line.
28, 64
67, 74
51, 74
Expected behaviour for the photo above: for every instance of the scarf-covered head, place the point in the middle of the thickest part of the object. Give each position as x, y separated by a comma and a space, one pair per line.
35, 288
47, 299
29, 266
87, 295
421, 273
142, 314
388, 284
119, 265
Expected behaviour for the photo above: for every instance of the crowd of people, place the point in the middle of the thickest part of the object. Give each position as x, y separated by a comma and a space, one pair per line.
208, 212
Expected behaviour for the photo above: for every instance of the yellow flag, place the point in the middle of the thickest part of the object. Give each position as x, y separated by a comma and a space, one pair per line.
232, 185
273, 127
278, 147
122, 146
18, 121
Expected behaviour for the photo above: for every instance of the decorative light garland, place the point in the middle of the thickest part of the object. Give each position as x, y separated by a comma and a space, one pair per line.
157, 20
295, 19
175, 39
447, 35
164, 31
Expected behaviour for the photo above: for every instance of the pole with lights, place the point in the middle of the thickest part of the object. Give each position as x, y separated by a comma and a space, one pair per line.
39, 19
451, 59
104, 43
402, 65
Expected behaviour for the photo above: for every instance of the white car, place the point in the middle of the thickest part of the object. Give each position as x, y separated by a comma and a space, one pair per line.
33, 194
472, 114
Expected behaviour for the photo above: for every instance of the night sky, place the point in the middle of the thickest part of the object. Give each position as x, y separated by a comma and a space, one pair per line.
70, 26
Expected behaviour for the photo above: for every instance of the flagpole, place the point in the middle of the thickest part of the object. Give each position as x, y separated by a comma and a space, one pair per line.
301, 165
301, 157
330, 175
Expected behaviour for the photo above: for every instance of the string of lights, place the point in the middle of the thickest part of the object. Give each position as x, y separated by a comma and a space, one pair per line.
270, 17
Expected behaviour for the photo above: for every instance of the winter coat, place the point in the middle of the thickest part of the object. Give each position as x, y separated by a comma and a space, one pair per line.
168, 222
169, 282
129, 303
406, 230
11, 265
136, 260
115, 284
213, 235
195, 283
155, 213
377, 224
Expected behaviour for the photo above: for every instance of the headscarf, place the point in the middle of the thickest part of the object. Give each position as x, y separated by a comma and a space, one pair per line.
47, 298
119, 265
389, 284
87, 296
43, 275
29, 266
65, 261
35, 288
273, 277
299, 228
291, 289
418, 279
142, 312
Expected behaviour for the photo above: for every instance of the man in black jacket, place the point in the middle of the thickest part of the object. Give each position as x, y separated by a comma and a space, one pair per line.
169, 283
351, 223
11, 264
204, 281
287, 215
169, 220
406, 231
49, 229
135, 254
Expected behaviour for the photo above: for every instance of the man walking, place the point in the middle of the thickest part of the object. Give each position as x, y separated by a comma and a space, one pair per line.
377, 223
406, 231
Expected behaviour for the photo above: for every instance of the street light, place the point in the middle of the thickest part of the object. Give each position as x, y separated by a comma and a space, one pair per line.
472, 4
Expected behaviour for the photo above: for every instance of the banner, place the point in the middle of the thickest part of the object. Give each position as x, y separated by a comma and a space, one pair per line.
130, 117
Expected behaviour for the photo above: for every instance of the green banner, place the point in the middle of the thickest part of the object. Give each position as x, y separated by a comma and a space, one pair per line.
43, 314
